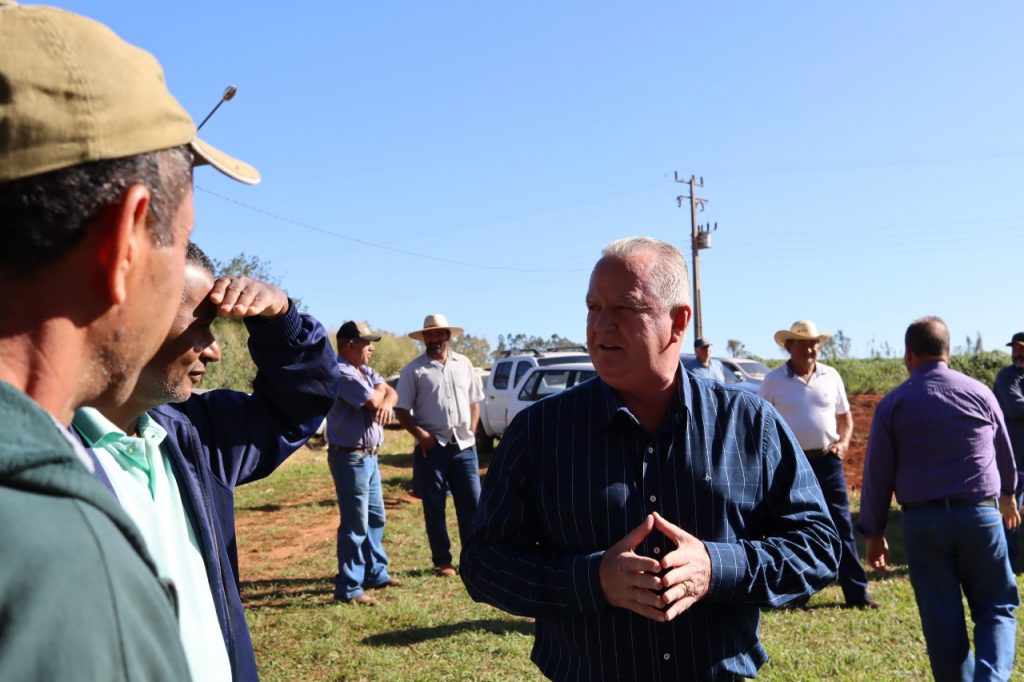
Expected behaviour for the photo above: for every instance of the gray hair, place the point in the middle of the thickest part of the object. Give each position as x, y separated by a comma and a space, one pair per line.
669, 277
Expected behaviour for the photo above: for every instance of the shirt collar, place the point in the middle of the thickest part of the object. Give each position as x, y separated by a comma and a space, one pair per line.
97, 429
130, 451
679, 410
929, 367
817, 371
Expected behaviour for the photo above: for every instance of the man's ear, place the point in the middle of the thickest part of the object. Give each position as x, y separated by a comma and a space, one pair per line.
680, 321
119, 249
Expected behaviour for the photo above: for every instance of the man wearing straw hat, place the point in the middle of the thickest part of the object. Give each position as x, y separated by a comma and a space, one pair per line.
812, 399
439, 398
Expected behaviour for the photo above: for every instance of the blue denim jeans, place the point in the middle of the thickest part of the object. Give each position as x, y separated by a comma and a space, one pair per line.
445, 468
362, 562
829, 472
954, 548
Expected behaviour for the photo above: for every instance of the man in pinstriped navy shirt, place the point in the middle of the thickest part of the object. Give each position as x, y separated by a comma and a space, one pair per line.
645, 516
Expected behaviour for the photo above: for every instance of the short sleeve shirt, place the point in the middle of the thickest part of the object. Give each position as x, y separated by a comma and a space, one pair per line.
713, 370
809, 408
349, 424
439, 396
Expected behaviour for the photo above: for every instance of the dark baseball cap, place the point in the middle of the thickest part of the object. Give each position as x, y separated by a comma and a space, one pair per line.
1017, 338
700, 342
352, 330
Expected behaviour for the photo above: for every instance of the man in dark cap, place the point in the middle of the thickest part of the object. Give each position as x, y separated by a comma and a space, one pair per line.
703, 365
354, 435
1009, 390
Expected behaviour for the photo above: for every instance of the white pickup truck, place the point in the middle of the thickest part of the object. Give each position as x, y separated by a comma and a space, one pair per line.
506, 376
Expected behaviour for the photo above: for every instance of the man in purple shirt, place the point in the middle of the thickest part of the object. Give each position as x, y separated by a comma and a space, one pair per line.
938, 440
354, 434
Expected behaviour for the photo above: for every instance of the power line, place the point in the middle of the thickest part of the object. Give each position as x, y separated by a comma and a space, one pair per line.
375, 245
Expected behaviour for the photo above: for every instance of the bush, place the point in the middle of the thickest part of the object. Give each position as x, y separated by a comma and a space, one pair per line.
392, 353
870, 375
881, 375
236, 369
983, 365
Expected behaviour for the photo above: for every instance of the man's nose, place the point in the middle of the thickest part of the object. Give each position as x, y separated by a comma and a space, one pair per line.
211, 353
603, 320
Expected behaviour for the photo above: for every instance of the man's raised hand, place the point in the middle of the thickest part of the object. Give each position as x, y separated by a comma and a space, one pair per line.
246, 297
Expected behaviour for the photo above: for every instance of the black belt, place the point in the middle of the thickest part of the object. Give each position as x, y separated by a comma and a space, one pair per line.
954, 502
814, 454
353, 451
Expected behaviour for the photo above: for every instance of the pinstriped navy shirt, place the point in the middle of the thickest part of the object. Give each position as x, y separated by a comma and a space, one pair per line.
576, 472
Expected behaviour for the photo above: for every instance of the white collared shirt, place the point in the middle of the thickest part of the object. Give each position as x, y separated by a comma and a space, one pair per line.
809, 408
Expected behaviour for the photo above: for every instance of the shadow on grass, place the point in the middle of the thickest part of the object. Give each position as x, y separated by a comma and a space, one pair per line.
277, 593
300, 505
493, 626
403, 483
402, 460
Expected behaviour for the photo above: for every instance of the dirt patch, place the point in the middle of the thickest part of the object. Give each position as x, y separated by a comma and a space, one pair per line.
302, 537
863, 408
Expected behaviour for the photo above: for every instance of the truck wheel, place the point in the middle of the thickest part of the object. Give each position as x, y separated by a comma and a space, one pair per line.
484, 443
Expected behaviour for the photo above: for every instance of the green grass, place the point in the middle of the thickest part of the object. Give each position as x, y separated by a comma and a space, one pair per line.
429, 629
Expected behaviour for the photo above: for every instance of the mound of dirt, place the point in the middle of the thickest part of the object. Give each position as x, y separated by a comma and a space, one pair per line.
863, 408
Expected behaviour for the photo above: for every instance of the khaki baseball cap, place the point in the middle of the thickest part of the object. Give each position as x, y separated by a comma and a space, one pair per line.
72, 91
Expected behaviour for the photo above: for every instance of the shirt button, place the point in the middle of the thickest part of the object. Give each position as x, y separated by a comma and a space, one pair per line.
657, 550
653, 498
650, 451
667, 656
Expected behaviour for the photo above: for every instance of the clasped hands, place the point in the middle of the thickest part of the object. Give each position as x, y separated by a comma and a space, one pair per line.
659, 590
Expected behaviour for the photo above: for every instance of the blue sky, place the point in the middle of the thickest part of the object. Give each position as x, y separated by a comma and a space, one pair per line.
862, 160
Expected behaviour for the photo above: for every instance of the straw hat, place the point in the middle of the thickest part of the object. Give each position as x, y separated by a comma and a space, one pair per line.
435, 321
801, 330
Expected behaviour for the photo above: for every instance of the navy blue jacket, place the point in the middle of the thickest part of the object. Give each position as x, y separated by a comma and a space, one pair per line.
220, 439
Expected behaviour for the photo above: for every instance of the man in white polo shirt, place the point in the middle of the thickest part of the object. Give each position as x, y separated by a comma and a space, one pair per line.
812, 399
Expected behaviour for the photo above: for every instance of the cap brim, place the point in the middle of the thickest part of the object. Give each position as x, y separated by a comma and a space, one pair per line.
226, 164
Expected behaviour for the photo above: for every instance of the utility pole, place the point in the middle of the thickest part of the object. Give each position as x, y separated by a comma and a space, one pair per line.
700, 238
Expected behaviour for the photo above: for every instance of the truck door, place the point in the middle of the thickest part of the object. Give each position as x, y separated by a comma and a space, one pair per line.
496, 397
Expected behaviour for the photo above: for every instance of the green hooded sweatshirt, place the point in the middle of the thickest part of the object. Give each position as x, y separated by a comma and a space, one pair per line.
80, 598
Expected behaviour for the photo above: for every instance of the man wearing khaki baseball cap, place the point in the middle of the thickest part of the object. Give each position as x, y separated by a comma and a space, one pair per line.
96, 165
